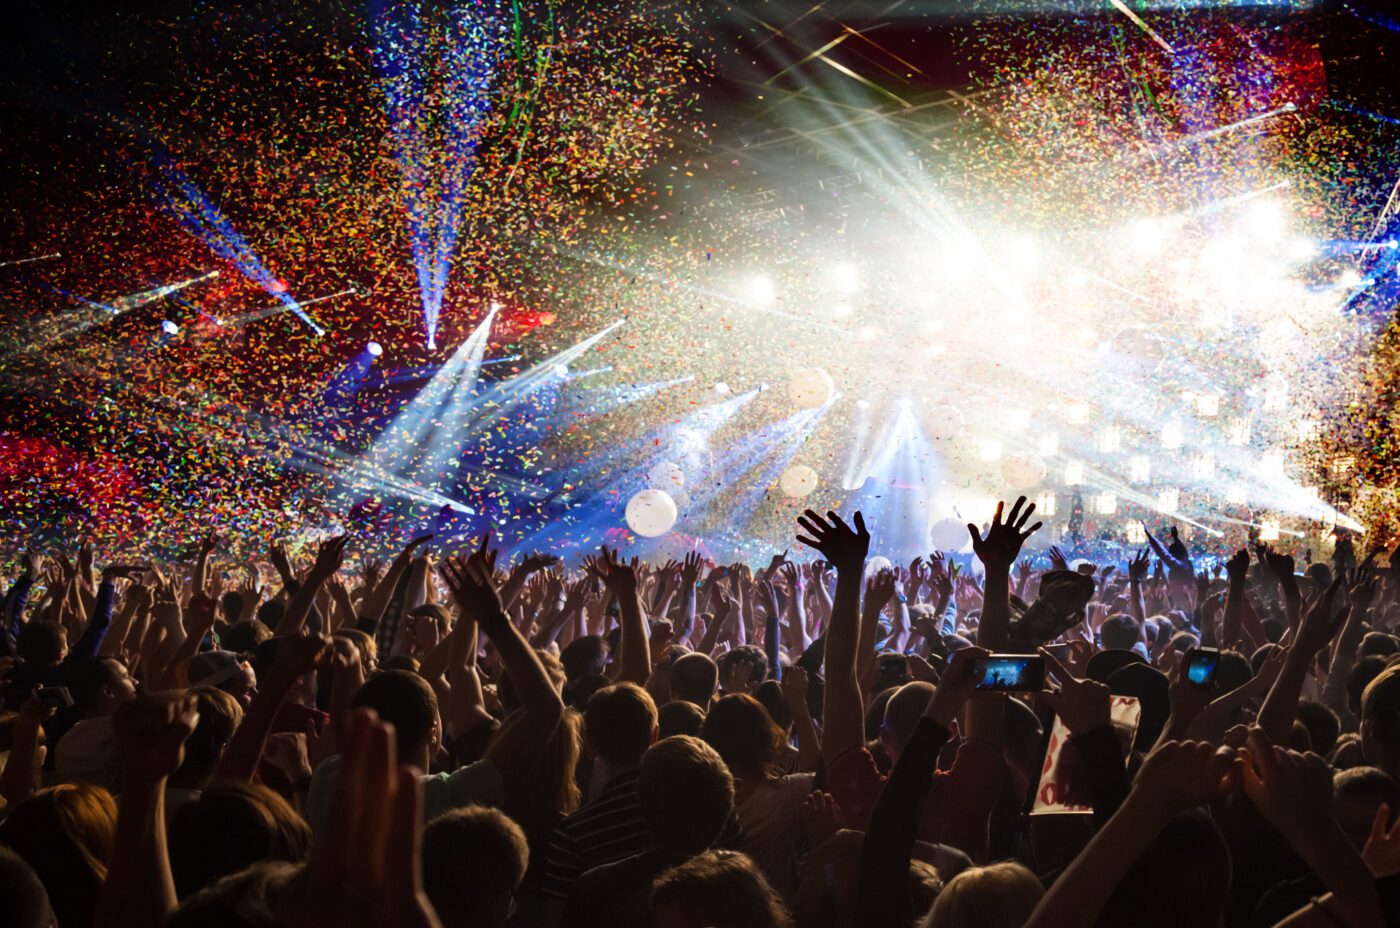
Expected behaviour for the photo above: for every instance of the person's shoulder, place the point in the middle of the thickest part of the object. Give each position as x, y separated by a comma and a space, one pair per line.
623, 870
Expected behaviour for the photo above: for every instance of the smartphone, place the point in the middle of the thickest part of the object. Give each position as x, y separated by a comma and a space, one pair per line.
1201, 664
54, 697
894, 666
1059, 651
1010, 673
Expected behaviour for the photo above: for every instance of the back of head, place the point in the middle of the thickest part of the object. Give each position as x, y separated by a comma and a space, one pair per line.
584, 655
1322, 724
1233, 671
233, 825
1189, 852
905, 707
219, 717
719, 889
694, 677
1359, 677
1151, 688
1119, 632
250, 898
97, 684
770, 695
1381, 720
473, 862
244, 637
65, 833
998, 896
1356, 795
686, 795
620, 724
745, 735
24, 903
406, 701
1379, 644
679, 717
41, 644
749, 654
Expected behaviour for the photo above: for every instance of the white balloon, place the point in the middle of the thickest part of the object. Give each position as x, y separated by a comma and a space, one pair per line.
948, 535
943, 422
1023, 470
666, 475
798, 481
811, 388
651, 513
876, 564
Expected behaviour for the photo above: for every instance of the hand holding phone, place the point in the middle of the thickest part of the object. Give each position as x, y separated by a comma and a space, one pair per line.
1010, 673
1201, 665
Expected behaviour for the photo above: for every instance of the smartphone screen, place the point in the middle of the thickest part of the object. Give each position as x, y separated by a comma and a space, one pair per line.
1010, 673
893, 666
1201, 664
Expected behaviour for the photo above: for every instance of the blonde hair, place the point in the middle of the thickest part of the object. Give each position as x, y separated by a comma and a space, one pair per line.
997, 896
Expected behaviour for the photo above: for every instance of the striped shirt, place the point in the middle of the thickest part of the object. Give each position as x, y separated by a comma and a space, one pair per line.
608, 829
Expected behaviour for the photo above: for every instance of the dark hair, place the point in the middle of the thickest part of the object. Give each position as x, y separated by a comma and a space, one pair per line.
1380, 706
694, 677
24, 903
1378, 643
1232, 671
744, 734
584, 655
721, 888
250, 898
770, 695
87, 678
41, 644
270, 612
679, 717
1322, 724
231, 605
433, 611
686, 795
619, 723
66, 834
244, 637
1368, 784
748, 653
404, 700
1359, 677
472, 858
219, 717
1119, 633
233, 825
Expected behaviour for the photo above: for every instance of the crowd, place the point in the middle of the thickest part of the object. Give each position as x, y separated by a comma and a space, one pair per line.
454, 739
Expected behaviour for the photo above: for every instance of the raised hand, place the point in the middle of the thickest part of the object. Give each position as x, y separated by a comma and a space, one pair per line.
1003, 541
366, 871
690, 569
534, 563
484, 554
1382, 850
794, 686
1237, 567
1280, 565
1181, 775
880, 589
1292, 790
955, 687
1083, 705
1319, 626
1137, 567
124, 571
1363, 585
1058, 560
839, 543
620, 577
150, 732
474, 589
330, 556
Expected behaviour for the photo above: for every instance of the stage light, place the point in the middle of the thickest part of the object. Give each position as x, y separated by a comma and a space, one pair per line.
1024, 252
1110, 440
867, 333
1308, 429
841, 311
1272, 463
862, 404
1045, 504
562, 370
844, 278
1106, 504
990, 449
1266, 219
1135, 533
1207, 404
1171, 436
1203, 466
1140, 469
931, 326
1078, 413
1168, 500
1049, 444
1018, 420
722, 388
169, 328
759, 290
1349, 279
1147, 236
1276, 397
1302, 249
936, 349
374, 349
1074, 473
1236, 495
1268, 531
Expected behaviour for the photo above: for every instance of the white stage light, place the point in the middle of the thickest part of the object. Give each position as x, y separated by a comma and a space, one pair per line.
1236, 496
1207, 404
1349, 279
1135, 533
1078, 413
1024, 252
374, 349
1168, 500
1147, 236
1045, 504
1203, 466
1238, 433
936, 349
722, 388
1018, 420
759, 290
1272, 462
1268, 531
1106, 503
1266, 219
845, 278
867, 333
1049, 444
1140, 469
1074, 473
1171, 436
862, 404
1302, 249
1110, 440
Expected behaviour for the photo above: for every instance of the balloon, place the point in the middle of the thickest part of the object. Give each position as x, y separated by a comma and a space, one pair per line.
811, 388
876, 564
948, 535
797, 481
943, 422
651, 513
666, 475
1023, 470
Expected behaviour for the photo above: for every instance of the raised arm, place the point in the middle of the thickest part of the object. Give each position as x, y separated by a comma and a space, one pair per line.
845, 548
620, 578
1281, 705
295, 657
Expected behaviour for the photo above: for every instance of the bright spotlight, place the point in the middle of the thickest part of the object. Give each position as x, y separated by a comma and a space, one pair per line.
169, 328
1169, 500
1107, 504
1171, 436
1049, 444
1074, 473
1266, 219
1147, 236
1079, 413
1268, 531
374, 349
562, 370
1349, 279
722, 388
867, 333
1140, 469
862, 404
845, 278
759, 290
1302, 249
